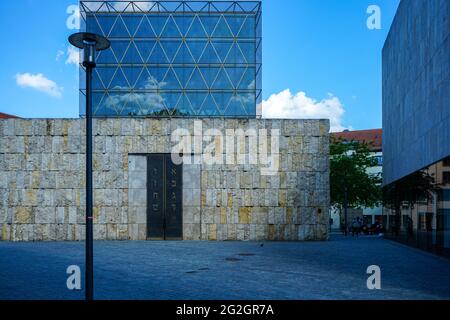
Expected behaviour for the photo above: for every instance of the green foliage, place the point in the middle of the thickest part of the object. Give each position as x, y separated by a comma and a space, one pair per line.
349, 178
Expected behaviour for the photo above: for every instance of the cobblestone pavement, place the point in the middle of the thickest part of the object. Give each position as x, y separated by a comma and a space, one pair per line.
226, 270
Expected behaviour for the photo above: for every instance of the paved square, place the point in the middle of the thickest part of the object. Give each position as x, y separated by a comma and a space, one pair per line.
226, 270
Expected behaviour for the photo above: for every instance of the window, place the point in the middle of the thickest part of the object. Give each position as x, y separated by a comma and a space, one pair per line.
446, 177
446, 162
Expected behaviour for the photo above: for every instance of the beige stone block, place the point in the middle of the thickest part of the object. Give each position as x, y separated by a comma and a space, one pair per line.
122, 232
133, 231
142, 231
111, 231
245, 215
212, 232
23, 215
5, 232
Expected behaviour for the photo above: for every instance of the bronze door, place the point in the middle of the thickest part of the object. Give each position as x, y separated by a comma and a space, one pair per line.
164, 197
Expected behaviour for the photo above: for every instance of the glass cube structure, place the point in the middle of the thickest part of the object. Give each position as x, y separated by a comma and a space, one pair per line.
175, 58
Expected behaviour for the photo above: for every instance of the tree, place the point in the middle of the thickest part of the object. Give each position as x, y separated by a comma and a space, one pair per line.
351, 183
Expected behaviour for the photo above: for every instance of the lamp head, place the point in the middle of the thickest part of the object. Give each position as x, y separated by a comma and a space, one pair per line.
90, 43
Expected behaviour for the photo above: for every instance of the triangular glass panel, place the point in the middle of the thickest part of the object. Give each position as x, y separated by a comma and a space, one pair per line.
248, 80
119, 48
196, 48
184, 108
157, 56
209, 107
248, 6
171, 81
152, 104
221, 30
132, 74
223, 6
132, 22
145, 48
183, 56
91, 6
132, 56
143, 6
222, 99
97, 102
222, 48
196, 81
235, 75
196, 29
106, 56
197, 6
106, 23
183, 23
196, 99
119, 29
157, 22
209, 22
171, 101
209, 56
247, 48
92, 25
222, 81
105, 75
249, 103
112, 103
248, 29
145, 30
209, 74
119, 82
157, 75
146, 81
235, 107
130, 106
171, 48
171, 29
120, 6
235, 23
171, 6
235, 56
183, 74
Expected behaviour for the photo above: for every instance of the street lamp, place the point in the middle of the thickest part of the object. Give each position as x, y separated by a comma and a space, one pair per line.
90, 43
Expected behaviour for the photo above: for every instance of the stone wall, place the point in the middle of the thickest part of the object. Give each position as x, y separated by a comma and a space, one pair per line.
42, 181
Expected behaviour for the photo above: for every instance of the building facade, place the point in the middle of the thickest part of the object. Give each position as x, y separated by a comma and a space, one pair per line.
42, 181
180, 151
416, 116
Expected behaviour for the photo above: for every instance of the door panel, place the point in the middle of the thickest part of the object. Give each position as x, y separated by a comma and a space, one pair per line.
155, 197
165, 206
174, 198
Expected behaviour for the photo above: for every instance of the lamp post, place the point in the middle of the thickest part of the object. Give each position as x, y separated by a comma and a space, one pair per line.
90, 43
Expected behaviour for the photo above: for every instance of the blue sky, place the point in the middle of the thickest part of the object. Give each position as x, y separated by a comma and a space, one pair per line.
321, 50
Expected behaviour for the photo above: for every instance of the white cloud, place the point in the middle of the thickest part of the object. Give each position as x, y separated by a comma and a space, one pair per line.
285, 105
40, 83
59, 54
73, 56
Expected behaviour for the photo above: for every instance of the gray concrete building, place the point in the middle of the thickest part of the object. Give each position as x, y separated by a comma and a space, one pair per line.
416, 119
416, 88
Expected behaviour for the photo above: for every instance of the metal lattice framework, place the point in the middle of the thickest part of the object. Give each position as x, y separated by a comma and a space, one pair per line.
176, 58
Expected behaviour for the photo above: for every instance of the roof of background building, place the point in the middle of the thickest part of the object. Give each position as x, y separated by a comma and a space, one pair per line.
6, 116
372, 137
